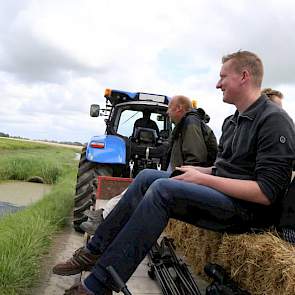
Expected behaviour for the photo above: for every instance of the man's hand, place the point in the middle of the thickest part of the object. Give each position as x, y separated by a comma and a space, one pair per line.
247, 190
206, 170
190, 174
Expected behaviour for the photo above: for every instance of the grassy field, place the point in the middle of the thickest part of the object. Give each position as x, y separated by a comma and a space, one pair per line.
26, 235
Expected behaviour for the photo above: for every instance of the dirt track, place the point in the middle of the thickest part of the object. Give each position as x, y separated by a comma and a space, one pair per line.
65, 243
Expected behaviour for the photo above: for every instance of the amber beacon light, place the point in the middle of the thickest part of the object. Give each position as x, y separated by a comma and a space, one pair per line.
107, 92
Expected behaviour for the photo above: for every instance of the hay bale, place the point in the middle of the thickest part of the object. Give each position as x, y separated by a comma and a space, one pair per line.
198, 245
260, 263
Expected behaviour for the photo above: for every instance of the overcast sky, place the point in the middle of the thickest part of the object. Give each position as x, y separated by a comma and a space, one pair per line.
58, 56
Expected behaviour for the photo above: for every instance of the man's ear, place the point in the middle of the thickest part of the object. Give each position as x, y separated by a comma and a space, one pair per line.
245, 76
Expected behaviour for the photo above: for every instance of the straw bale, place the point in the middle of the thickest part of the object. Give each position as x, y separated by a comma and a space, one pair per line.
198, 245
260, 263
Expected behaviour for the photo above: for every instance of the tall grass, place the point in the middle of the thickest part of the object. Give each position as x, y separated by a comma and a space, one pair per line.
22, 168
26, 235
15, 144
20, 161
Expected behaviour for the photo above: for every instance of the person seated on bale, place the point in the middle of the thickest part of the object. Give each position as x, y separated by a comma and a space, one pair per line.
243, 189
285, 227
277, 97
192, 142
274, 95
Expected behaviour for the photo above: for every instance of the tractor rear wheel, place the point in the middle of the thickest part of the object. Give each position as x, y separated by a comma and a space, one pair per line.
86, 187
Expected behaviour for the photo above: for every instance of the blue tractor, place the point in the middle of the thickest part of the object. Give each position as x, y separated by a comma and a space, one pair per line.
136, 137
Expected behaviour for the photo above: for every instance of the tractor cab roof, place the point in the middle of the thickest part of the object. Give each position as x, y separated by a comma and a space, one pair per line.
118, 96
143, 105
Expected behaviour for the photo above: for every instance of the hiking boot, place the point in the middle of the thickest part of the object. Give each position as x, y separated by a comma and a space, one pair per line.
78, 289
90, 225
94, 214
81, 260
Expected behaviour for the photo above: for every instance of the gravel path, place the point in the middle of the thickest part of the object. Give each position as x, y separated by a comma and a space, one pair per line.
63, 247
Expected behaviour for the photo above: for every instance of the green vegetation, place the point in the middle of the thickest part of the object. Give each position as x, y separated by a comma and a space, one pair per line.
14, 144
20, 160
26, 235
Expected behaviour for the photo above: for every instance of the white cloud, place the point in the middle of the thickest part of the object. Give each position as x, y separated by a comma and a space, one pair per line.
56, 57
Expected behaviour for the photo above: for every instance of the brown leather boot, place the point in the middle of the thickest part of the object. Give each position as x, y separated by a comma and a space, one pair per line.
81, 260
78, 289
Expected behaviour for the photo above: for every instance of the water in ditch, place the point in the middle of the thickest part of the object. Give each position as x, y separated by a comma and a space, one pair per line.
15, 195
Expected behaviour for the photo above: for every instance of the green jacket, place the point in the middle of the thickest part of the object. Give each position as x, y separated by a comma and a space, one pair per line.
192, 141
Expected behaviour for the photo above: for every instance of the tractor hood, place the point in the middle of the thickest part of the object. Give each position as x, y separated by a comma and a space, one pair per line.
106, 149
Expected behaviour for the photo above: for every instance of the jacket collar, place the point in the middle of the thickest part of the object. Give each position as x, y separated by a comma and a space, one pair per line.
252, 111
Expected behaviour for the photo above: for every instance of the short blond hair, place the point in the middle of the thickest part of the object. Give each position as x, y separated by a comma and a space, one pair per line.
247, 60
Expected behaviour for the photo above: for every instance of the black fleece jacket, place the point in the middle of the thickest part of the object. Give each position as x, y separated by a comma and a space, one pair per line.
259, 145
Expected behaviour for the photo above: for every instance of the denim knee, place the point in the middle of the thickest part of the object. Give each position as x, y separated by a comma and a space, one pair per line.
145, 174
160, 191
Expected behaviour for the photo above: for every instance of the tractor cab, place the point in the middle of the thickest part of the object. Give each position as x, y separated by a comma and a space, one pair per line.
140, 121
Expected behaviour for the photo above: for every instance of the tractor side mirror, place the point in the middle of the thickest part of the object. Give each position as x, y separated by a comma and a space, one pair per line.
94, 110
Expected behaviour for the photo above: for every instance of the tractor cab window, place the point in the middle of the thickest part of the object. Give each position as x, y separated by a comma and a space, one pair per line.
131, 118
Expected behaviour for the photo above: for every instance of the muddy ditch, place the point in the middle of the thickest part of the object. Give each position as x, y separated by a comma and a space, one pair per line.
15, 195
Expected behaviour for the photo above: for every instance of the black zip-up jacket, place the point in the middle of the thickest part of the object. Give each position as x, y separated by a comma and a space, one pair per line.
259, 145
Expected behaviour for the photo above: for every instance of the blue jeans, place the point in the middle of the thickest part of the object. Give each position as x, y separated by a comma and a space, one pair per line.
135, 224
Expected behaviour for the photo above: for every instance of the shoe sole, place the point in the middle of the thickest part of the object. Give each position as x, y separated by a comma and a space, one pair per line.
69, 272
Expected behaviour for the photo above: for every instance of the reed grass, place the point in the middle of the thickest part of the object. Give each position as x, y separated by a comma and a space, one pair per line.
16, 144
22, 168
25, 236
20, 161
